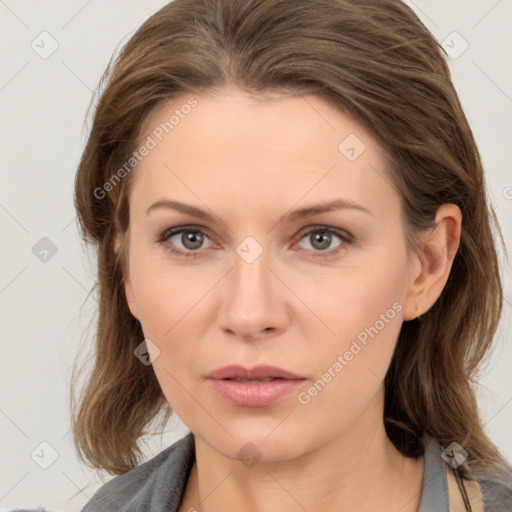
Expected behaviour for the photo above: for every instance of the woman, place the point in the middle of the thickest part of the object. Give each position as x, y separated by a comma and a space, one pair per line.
295, 255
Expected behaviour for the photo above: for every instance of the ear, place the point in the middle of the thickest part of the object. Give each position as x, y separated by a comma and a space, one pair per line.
433, 261
128, 290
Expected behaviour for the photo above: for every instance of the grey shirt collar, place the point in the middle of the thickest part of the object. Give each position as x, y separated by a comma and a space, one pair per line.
434, 496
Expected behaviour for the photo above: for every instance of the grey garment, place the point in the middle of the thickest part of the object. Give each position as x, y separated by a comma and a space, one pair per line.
434, 497
496, 490
158, 485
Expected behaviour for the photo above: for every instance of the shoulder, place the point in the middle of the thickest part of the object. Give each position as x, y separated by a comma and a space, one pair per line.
154, 485
496, 488
445, 489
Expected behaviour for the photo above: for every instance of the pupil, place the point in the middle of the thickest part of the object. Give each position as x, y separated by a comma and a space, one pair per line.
326, 237
192, 239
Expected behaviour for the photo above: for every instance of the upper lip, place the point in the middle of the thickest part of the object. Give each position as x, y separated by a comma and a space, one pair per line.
256, 373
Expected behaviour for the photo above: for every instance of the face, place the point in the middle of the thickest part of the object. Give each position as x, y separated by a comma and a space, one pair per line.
266, 275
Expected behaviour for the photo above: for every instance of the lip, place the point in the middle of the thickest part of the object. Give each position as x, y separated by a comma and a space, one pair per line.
261, 372
246, 387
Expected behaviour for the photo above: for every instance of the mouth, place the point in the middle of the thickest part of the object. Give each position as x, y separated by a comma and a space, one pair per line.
240, 379
257, 387
258, 373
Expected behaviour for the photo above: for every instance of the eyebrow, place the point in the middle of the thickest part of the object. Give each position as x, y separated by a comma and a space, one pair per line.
294, 216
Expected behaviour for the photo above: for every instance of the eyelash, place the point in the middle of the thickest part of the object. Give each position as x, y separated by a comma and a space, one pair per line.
344, 236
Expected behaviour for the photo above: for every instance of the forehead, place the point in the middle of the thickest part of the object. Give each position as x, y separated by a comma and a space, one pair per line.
249, 124
272, 149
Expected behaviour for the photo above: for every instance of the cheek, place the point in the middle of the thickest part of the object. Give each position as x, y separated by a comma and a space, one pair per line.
363, 307
174, 309
167, 295
357, 298
169, 316
354, 363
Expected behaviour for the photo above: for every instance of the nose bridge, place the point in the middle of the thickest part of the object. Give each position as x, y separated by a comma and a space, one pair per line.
250, 282
250, 276
252, 301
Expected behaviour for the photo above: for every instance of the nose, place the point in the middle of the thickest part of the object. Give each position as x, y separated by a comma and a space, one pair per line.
255, 302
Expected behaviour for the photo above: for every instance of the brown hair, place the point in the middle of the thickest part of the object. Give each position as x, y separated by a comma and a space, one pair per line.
374, 60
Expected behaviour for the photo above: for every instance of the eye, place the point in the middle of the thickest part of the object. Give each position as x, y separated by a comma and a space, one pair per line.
184, 241
321, 238
187, 241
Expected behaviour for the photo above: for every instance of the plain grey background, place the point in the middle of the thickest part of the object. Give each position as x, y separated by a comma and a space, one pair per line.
52, 56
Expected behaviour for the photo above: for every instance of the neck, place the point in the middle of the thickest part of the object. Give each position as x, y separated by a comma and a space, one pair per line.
357, 470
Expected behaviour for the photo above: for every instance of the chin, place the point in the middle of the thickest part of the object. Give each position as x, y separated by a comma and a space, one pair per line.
254, 442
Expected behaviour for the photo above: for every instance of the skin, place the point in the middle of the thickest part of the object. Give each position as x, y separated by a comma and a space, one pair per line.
249, 161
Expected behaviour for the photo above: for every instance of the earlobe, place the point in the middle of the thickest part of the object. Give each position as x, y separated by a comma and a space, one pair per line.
435, 259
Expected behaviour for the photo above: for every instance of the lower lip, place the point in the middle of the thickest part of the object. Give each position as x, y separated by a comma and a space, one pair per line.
254, 394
